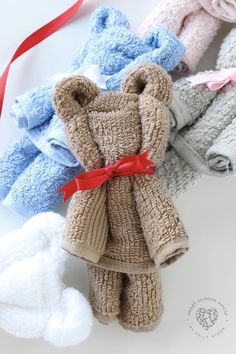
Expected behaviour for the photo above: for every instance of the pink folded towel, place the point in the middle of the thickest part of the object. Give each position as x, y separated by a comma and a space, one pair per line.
223, 9
191, 22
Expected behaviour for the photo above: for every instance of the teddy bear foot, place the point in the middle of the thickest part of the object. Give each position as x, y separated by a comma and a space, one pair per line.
104, 319
140, 328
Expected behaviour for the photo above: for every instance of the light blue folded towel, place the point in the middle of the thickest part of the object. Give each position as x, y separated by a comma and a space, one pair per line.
14, 162
34, 107
115, 49
162, 48
36, 189
51, 140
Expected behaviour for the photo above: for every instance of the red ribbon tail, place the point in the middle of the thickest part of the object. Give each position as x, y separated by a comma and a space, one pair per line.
149, 171
69, 189
3, 82
144, 158
34, 39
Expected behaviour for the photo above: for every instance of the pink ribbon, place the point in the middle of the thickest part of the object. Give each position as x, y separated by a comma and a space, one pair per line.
214, 80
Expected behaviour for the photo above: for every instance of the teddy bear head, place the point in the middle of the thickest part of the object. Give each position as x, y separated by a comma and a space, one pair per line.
104, 127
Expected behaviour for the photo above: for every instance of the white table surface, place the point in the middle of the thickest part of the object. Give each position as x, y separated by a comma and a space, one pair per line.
208, 209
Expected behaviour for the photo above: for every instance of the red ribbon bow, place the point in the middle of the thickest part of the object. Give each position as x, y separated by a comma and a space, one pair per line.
127, 166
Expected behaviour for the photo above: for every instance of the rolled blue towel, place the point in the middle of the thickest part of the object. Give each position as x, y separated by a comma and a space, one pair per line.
50, 138
111, 45
163, 48
115, 49
14, 161
33, 108
36, 189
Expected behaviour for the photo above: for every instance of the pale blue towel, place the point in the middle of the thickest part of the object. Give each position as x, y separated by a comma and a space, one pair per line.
115, 49
34, 107
161, 47
36, 189
51, 140
14, 162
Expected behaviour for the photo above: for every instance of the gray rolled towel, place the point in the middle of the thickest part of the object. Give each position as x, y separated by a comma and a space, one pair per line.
196, 144
206, 121
188, 103
222, 155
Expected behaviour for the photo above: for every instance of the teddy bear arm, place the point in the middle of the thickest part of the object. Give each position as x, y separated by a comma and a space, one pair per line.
87, 224
155, 123
162, 228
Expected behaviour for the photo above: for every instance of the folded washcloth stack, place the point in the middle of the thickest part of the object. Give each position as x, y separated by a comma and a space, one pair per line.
209, 144
195, 22
29, 179
34, 302
47, 162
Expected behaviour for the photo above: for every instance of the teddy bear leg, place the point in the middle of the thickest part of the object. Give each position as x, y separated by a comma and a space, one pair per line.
163, 229
105, 288
141, 302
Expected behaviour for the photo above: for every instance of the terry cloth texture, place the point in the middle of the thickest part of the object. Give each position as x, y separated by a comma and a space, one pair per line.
34, 302
135, 299
115, 49
190, 21
33, 108
211, 135
30, 180
15, 160
136, 212
128, 227
223, 9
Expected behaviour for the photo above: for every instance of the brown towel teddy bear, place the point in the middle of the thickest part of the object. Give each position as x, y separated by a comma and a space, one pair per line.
127, 227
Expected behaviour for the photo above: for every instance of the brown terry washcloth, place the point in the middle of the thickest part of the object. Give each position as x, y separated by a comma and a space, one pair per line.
128, 227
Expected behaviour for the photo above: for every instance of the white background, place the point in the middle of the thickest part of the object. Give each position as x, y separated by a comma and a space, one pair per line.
208, 209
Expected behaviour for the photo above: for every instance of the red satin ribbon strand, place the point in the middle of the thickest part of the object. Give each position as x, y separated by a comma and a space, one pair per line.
34, 39
69, 189
127, 166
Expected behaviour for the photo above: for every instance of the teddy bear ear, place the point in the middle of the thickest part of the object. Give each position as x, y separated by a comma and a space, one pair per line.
149, 79
72, 93
107, 17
